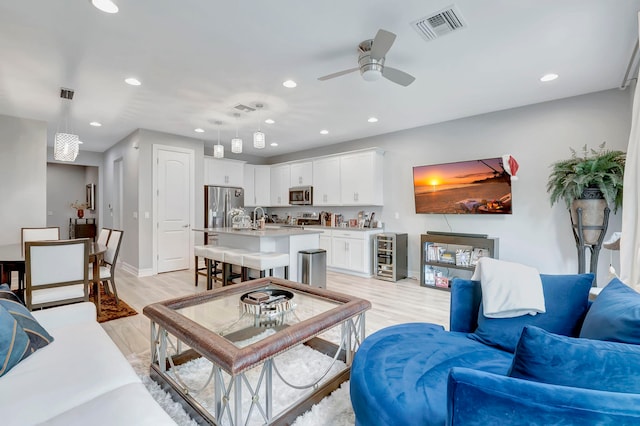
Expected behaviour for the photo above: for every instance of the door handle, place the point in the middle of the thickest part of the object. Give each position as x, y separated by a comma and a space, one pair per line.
185, 226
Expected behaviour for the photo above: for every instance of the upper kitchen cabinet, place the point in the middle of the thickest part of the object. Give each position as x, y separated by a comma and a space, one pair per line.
280, 183
257, 185
361, 178
223, 172
326, 181
301, 173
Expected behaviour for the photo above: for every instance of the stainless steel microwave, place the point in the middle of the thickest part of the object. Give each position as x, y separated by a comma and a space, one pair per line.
301, 195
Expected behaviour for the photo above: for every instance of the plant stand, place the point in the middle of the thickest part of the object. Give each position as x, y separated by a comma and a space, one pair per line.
578, 233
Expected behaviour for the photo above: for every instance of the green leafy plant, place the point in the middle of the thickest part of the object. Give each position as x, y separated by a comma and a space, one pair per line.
602, 169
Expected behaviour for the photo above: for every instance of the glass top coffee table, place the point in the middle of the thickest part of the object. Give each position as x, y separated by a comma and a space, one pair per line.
246, 331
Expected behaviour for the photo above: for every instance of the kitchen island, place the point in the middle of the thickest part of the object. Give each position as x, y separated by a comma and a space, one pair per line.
272, 239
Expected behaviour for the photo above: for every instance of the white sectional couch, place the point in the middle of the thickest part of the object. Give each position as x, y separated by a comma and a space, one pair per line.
81, 378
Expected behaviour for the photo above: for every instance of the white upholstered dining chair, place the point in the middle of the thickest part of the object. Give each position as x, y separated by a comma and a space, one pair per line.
103, 237
33, 234
57, 272
108, 268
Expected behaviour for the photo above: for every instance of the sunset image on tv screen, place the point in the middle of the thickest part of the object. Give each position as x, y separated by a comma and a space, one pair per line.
468, 187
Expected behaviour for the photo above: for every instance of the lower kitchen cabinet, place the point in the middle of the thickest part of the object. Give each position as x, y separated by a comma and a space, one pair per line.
349, 251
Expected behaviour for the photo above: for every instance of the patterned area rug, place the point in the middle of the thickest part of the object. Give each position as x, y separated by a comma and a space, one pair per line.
109, 309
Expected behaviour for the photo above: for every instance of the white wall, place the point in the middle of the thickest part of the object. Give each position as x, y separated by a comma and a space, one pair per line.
538, 135
23, 176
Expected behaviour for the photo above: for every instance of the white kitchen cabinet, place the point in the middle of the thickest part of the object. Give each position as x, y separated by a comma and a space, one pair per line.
325, 244
361, 178
326, 181
280, 183
223, 172
257, 185
301, 173
351, 251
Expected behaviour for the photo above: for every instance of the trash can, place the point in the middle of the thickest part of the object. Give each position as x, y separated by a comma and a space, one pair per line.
312, 267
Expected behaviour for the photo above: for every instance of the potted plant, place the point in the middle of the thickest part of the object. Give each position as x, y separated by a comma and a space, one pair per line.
592, 181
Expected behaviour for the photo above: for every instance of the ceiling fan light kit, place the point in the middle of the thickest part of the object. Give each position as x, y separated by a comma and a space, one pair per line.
371, 61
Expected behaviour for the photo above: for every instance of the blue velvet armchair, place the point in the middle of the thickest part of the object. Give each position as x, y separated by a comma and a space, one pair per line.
530, 370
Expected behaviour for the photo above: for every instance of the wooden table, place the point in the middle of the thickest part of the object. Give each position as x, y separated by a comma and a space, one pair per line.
12, 254
216, 325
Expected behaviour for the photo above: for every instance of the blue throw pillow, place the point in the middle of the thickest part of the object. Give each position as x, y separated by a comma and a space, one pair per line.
614, 315
590, 364
566, 300
14, 342
6, 293
38, 336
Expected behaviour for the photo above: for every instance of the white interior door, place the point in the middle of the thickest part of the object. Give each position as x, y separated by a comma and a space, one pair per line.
174, 201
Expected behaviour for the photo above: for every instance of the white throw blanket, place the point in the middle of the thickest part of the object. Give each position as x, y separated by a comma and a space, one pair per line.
509, 289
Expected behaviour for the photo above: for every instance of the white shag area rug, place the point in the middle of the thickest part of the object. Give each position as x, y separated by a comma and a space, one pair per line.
300, 365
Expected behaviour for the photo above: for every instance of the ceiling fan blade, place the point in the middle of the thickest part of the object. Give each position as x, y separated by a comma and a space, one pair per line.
397, 76
338, 74
381, 44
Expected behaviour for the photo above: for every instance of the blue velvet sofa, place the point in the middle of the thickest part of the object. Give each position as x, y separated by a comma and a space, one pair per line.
576, 364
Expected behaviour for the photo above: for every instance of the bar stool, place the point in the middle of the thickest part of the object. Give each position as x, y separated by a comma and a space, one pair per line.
200, 251
264, 261
214, 255
232, 257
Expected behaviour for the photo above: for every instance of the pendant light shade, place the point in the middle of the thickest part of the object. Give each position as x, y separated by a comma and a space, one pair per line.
236, 145
259, 140
66, 147
218, 150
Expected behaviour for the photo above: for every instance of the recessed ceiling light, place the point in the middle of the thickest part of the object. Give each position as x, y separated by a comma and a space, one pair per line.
269, 121
548, 77
273, 144
324, 132
198, 130
106, 6
372, 120
290, 84
95, 124
132, 81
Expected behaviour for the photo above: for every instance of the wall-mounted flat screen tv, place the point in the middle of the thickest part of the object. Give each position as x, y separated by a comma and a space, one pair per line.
466, 187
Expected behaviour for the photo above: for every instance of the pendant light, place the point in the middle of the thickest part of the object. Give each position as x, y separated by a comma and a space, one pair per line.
218, 150
236, 143
66, 145
259, 138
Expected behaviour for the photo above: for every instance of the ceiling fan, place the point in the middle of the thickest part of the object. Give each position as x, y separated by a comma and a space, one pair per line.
371, 61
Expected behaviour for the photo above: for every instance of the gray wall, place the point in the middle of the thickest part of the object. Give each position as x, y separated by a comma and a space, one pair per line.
66, 183
136, 152
23, 176
538, 135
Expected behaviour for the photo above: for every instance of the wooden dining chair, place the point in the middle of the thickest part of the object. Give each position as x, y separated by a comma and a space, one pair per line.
108, 269
57, 272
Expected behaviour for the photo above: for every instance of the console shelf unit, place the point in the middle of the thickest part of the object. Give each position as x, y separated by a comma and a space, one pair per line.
451, 243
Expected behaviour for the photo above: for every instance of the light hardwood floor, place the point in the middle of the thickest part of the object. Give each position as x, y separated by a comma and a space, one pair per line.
392, 302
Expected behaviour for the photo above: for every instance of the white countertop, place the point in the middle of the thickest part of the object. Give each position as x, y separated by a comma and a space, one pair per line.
337, 228
270, 232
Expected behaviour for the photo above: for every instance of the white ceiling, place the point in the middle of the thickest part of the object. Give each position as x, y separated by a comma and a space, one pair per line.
197, 59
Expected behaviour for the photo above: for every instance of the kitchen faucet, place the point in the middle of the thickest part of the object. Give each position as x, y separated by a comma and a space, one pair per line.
255, 216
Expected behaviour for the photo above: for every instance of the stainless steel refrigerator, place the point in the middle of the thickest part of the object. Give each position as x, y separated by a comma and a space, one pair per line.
218, 202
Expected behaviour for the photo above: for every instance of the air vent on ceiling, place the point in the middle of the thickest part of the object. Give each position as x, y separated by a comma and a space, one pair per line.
244, 108
438, 24
66, 93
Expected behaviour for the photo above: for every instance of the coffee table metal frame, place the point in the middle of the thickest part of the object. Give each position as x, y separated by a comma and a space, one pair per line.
172, 331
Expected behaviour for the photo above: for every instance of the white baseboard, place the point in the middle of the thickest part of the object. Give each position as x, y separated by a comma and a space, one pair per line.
135, 271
